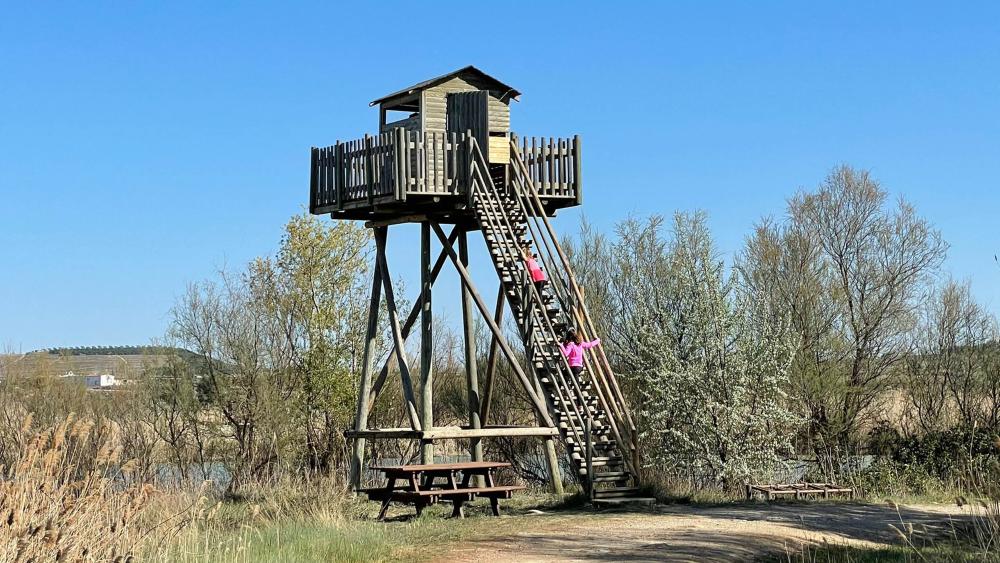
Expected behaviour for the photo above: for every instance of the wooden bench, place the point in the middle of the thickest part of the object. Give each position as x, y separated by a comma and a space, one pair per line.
420, 487
798, 490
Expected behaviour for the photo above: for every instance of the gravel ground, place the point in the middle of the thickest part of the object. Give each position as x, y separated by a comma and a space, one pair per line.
693, 533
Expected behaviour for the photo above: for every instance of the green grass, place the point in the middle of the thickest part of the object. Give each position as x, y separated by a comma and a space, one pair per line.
232, 534
949, 552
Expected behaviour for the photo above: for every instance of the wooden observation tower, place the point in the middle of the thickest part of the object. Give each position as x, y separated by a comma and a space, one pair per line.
452, 160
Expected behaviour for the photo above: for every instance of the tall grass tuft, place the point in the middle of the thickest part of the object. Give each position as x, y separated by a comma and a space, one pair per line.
67, 497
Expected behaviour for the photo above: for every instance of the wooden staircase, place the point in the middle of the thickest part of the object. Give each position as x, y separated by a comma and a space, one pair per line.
590, 412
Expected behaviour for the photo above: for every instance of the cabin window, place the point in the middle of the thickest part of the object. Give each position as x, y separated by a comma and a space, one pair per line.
392, 115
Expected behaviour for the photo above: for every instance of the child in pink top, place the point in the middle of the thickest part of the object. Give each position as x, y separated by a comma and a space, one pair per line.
534, 270
573, 347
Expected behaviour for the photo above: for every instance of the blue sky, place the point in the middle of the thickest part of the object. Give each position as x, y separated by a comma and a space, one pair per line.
145, 145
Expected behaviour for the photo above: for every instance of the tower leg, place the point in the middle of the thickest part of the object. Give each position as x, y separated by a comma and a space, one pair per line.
551, 458
471, 369
426, 343
491, 360
364, 387
381, 235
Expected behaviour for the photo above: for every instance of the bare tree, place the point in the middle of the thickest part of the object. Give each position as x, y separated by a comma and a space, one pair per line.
849, 269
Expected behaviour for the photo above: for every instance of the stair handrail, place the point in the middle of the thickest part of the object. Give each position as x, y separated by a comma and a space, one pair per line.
485, 185
566, 300
607, 389
532, 195
608, 404
498, 230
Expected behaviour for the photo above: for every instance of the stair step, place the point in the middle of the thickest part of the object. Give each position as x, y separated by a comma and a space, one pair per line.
598, 444
611, 476
597, 431
597, 416
610, 463
590, 399
586, 386
604, 443
597, 459
608, 502
616, 492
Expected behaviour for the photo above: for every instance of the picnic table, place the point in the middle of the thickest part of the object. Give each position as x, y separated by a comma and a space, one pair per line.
426, 484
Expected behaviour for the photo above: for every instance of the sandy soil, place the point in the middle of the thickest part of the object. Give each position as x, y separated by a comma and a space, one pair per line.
688, 533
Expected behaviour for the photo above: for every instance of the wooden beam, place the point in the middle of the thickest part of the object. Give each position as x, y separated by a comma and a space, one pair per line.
471, 369
504, 346
491, 359
381, 234
361, 415
418, 217
453, 433
411, 319
426, 342
384, 433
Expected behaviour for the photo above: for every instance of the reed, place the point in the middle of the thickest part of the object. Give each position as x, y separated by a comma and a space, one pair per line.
67, 496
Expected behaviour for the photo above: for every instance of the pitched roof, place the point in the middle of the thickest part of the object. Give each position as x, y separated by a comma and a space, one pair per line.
493, 82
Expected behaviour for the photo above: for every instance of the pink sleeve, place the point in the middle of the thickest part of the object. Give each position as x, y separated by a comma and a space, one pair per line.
562, 348
591, 344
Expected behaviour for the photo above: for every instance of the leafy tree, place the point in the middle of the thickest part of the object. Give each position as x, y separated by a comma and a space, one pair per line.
705, 361
281, 343
315, 289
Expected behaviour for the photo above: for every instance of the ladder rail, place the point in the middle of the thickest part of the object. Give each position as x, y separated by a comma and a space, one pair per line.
495, 219
605, 370
603, 393
494, 225
607, 390
537, 235
565, 300
537, 304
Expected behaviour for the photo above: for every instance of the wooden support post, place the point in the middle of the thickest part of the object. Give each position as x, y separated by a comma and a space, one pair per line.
536, 401
577, 170
552, 460
368, 161
361, 415
471, 369
491, 359
426, 343
381, 235
551, 457
411, 319
340, 175
589, 438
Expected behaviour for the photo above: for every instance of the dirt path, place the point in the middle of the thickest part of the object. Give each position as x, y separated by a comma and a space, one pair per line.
687, 533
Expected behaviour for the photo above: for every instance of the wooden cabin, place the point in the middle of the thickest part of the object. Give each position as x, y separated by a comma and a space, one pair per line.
419, 161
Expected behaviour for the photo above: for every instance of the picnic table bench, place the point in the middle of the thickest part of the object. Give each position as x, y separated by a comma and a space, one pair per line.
426, 484
798, 490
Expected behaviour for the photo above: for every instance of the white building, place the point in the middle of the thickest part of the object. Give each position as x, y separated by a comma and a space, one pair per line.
102, 381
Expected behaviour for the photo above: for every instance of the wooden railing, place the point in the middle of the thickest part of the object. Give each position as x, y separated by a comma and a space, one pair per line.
400, 163
363, 169
436, 162
553, 165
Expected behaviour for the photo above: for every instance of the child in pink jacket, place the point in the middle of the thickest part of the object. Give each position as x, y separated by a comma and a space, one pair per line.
573, 347
534, 270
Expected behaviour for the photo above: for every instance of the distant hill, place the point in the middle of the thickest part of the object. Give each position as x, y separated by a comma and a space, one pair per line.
115, 351
124, 362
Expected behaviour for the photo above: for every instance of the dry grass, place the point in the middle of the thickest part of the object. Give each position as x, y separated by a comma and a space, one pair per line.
67, 498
